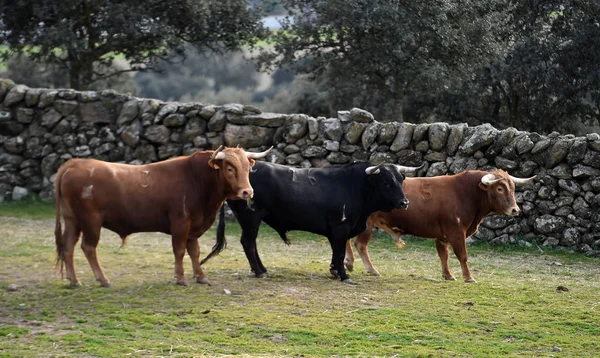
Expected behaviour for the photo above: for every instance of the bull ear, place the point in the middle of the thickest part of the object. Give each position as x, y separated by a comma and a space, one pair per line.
252, 162
373, 169
213, 164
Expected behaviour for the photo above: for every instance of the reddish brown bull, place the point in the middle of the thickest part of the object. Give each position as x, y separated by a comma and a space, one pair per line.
179, 196
445, 208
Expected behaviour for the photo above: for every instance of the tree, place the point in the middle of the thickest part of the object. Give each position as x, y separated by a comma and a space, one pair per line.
379, 54
83, 36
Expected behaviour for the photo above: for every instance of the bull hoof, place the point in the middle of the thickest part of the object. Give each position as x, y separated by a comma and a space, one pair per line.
105, 284
449, 278
350, 267
75, 284
470, 280
349, 281
182, 283
334, 273
374, 273
262, 275
203, 281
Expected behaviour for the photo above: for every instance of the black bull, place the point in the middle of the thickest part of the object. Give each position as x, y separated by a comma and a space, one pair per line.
334, 202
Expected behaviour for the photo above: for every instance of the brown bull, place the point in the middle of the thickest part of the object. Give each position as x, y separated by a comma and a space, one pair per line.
445, 208
179, 196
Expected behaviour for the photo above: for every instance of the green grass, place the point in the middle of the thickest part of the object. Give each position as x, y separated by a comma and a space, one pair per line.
514, 309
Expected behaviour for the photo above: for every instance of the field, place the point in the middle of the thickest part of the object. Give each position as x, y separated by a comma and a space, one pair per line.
526, 302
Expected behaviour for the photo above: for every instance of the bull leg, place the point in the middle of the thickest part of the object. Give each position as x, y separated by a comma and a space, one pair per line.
91, 236
442, 250
362, 246
337, 269
193, 250
248, 240
349, 259
179, 236
460, 250
70, 237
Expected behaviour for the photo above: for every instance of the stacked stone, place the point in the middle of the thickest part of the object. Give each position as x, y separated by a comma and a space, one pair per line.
42, 128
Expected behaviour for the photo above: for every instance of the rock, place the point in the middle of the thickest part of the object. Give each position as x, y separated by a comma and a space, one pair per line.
497, 221
548, 224
420, 132
332, 145
338, 158
217, 122
582, 171
15, 145
313, 128
169, 150
174, 120
403, 137
481, 137
65, 107
146, 153
438, 133
360, 115
247, 136
208, 111
50, 118
461, 164
556, 153
387, 132
313, 151
158, 134
12, 287
19, 193
506, 164
382, 157
354, 132
5, 86
570, 186
25, 115
271, 120
370, 134
194, 127
577, 151
332, 129
131, 134
524, 144
296, 127
128, 113
437, 169
15, 95
455, 137
164, 111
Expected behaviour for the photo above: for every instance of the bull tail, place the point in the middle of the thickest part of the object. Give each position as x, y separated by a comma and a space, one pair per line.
221, 243
58, 236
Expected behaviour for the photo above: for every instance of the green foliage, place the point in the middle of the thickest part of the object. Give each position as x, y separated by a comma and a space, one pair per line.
513, 310
80, 36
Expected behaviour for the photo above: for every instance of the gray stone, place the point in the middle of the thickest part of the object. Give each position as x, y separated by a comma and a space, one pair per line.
455, 137
291, 149
577, 151
569, 237
48, 165
378, 157
438, 133
313, 151
592, 159
370, 134
158, 134
81, 151
47, 98
561, 171
556, 153
149, 106
5, 86
437, 169
62, 127
409, 157
248, 136
251, 109
169, 150
313, 128
403, 137
332, 145
583, 171
338, 158
506, 164
146, 153
104, 148
194, 127
19, 193
174, 120
217, 122
25, 115
547, 193
548, 224
551, 242
15, 145
570, 186
294, 159
435, 156
128, 113
360, 115
15, 95
99, 112
234, 108
461, 164
387, 132
481, 137
332, 129
200, 142
524, 144
420, 132
208, 111
497, 221
271, 120
131, 134
354, 132
422, 146
65, 107
50, 118
164, 111
296, 126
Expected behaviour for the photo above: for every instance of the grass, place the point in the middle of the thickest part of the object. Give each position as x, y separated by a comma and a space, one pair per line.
514, 309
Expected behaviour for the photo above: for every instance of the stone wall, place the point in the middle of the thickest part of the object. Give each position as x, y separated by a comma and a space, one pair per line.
42, 128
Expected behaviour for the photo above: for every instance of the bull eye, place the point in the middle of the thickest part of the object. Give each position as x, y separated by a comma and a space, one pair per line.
500, 189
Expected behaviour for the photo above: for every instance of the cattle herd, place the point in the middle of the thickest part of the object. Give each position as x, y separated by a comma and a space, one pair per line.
182, 196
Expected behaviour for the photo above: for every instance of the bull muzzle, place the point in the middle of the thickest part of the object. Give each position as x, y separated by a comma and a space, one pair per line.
246, 194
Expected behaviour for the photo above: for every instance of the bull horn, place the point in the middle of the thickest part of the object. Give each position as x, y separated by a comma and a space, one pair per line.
373, 169
218, 154
490, 179
521, 180
258, 155
405, 169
